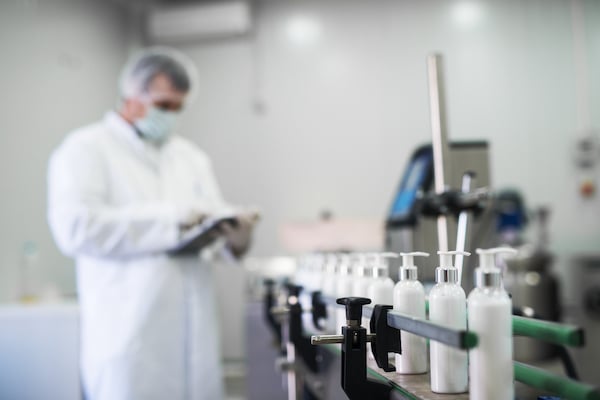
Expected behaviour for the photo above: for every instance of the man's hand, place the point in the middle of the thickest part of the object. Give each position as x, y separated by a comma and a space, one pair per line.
189, 218
238, 236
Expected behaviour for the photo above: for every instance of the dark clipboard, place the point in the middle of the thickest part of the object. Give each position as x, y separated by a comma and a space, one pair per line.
202, 235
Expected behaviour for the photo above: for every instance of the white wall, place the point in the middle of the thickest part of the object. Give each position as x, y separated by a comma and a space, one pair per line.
59, 59
592, 16
329, 120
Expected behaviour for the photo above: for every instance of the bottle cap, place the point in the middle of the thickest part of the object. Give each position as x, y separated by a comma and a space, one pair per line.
447, 272
381, 267
446, 275
488, 275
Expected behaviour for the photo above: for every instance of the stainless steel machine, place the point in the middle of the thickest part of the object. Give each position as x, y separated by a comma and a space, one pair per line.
412, 221
438, 197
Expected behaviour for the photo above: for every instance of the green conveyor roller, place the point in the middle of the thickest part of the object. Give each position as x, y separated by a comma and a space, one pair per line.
556, 384
551, 332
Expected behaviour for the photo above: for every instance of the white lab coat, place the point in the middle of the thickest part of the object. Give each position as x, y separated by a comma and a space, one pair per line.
149, 326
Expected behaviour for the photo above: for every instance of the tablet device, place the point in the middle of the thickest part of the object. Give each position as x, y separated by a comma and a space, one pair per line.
202, 235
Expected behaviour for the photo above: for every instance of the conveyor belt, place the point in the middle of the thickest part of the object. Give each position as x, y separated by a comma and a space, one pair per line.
410, 387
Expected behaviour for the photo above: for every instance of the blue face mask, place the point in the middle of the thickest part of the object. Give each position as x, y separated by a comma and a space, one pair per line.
157, 125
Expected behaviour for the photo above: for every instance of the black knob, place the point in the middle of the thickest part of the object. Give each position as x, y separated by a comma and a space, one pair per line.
353, 306
293, 290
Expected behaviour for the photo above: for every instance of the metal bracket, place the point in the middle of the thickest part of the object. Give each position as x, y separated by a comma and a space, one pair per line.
460, 339
319, 310
304, 348
270, 303
354, 338
387, 339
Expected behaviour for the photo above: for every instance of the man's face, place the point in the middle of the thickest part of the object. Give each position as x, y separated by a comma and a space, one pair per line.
160, 94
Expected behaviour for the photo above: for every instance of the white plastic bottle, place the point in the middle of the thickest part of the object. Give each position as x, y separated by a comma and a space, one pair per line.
362, 276
489, 308
30, 284
409, 298
329, 290
319, 263
448, 307
312, 269
313, 273
361, 288
318, 270
302, 279
343, 288
381, 289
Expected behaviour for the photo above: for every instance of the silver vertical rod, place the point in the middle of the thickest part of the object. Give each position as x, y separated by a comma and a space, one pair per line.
463, 220
292, 384
439, 137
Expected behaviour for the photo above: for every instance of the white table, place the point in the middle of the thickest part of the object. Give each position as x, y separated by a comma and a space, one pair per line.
39, 351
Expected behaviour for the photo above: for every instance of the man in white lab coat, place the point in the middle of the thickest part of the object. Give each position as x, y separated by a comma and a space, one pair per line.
121, 193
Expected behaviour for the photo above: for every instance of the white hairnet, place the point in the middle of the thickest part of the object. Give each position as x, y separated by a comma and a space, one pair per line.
144, 65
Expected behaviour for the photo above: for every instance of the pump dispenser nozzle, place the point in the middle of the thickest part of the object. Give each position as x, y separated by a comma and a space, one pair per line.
360, 264
487, 257
447, 272
381, 267
446, 257
408, 269
488, 275
388, 254
408, 258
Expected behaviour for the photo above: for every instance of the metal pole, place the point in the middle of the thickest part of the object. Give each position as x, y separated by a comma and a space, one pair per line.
439, 137
292, 384
463, 221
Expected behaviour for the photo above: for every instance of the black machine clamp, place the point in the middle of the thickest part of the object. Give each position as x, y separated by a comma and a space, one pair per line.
270, 305
354, 338
308, 353
319, 309
385, 338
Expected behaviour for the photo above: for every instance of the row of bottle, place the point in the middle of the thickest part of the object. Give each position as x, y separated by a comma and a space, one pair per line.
344, 275
489, 365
